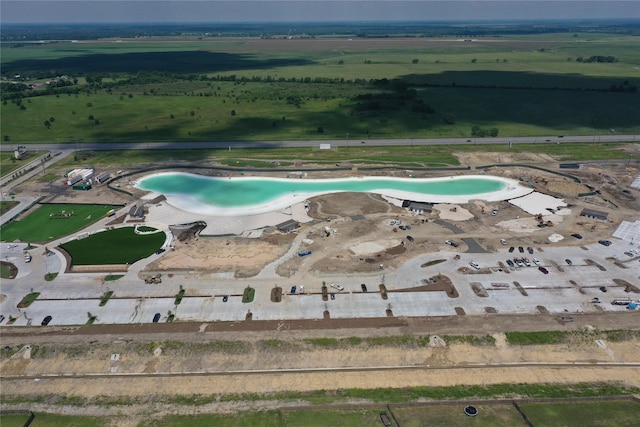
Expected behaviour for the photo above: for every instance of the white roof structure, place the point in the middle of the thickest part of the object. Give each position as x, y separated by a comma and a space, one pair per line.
628, 231
537, 203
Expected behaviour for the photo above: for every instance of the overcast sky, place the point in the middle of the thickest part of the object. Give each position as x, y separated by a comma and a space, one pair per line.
99, 11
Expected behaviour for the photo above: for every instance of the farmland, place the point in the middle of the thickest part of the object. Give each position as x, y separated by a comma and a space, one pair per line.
232, 89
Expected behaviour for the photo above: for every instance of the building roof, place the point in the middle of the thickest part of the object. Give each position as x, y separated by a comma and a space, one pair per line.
593, 212
289, 224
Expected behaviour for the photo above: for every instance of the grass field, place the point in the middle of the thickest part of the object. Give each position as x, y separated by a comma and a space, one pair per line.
522, 86
593, 414
119, 246
40, 226
53, 420
561, 414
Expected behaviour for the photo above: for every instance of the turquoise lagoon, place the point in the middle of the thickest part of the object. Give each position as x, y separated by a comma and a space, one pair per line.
248, 195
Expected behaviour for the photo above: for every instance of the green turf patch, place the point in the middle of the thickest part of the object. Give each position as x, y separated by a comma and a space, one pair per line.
118, 246
8, 270
47, 222
28, 299
50, 276
112, 277
336, 417
248, 294
105, 298
489, 414
179, 296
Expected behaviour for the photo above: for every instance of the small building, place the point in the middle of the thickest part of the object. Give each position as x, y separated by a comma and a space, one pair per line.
136, 212
417, 206
102, 177
594, 214
288, 226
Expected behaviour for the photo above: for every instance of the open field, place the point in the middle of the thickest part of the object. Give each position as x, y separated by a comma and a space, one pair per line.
50, 221
254, 89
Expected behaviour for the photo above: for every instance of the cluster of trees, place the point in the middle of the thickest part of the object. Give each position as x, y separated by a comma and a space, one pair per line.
480, 132
597, 58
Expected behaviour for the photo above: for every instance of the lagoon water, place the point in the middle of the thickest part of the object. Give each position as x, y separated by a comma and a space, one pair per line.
215, 195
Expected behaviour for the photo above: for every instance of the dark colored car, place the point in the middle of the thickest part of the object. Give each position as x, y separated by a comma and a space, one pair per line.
577, 235
568, 261
156, 318
603, 288
363, 287
408, 227
293, 289
409, 238
530, 250
46, 320
605, 242
225, 298
159, 251
402, 227
520, 249
543, 270
333, 296
510, 263
511, 249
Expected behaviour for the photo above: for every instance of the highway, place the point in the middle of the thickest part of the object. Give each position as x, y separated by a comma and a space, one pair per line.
71, 146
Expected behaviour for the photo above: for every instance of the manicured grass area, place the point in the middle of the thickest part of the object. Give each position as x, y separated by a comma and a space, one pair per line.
118, 246
47, 222
333, 418
112, 277
8, 270
9, 164
105, 298
255, 419
494, 415
578, 414
53, 420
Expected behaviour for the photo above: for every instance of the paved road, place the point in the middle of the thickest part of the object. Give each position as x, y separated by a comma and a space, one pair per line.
311, 143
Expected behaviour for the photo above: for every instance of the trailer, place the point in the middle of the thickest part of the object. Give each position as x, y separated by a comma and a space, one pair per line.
305, 253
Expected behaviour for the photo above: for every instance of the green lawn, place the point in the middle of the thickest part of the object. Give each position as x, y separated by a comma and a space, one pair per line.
119, 246
47, 222
592, 414
333, 418
255, 419
489, 415
53, 420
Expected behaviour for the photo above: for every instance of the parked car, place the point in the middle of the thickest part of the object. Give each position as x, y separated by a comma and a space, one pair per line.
494, 212
402, 227
536, 261
159, 251
408, 227
474, 265
452, 243
595, 300
510, 263
520, 249
156, 318
333, 296
576, 235
603, 288
503, 242
530, 250
511, 249
46, 320
338, 287
568, 261
543, 270
225, 298
1, 318
363, 287
605, 242
293, 289
410, 238
628, 254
